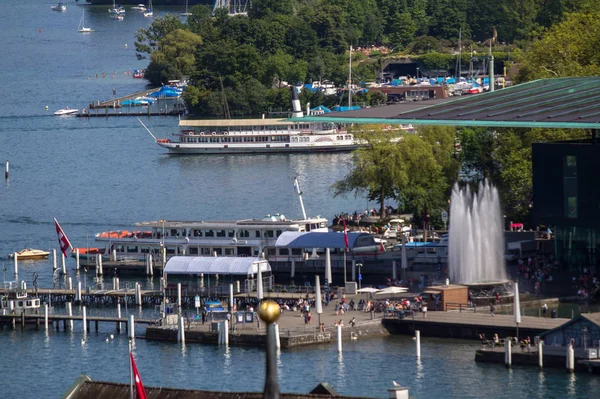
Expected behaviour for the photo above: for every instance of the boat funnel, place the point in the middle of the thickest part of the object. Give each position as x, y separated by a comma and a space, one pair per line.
297, 110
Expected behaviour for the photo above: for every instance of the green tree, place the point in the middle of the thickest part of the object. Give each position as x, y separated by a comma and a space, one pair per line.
174, 57
376, 168
567, 49
147, 39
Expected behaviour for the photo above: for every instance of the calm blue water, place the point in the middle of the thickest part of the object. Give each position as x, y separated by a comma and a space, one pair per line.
100, 174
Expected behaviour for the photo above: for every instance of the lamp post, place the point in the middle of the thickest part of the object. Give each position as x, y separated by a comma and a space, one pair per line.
269, 312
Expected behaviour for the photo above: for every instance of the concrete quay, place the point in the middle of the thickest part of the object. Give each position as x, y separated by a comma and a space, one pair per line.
292, 330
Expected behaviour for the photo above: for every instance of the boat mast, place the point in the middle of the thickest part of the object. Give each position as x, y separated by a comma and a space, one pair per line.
297, 187
459, 53
350, 80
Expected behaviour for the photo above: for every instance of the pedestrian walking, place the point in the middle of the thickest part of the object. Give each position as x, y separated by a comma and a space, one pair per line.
492, 309
544, 310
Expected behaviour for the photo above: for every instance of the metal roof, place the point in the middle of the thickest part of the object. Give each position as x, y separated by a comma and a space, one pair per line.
545, 103
215, 265
232, 122
293, 239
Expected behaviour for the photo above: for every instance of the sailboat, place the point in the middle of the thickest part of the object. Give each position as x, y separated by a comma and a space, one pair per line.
186, 13
81, 28
149, 13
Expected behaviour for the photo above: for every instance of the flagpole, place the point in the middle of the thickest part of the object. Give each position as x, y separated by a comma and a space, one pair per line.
345, 250
130, 373
297, 186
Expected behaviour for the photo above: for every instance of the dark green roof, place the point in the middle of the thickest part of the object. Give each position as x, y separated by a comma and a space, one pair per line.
546, 103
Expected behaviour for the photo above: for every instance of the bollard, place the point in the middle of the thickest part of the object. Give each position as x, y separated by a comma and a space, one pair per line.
540, 354
63, 264
372, 315
138, 294
180, 329
70, 313
16, 263
131, 327
293, 271
225, 332
507, 352
70, 283
277, 337
418, 342
78, 293
54, 260
118, 316
77, 262
570, 358
46, 316
84, 319
339, 338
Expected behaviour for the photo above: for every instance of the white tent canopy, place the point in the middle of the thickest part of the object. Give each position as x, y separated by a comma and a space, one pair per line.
392, 290
216, 265
367, 290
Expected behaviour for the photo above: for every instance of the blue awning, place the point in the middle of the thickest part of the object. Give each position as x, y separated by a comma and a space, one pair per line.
216, 265
293, 239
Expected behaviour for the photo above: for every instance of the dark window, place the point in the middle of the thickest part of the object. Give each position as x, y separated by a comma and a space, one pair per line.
284, 251
570, 186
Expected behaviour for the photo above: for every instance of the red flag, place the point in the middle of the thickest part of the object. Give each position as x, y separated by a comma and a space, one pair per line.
63, 241
346, 235
140, 392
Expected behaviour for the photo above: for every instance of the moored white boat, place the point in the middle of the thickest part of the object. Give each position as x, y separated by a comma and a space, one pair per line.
66, 111
81, 28
247, 237
30, 253
59, 7
139, 7
15, 299
246, 136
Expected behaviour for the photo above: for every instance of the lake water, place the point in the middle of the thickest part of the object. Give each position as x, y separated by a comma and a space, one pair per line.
98, 174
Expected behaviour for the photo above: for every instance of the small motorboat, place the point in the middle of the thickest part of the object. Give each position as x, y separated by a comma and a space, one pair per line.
139, 7
59, 7
66, 111
30, 253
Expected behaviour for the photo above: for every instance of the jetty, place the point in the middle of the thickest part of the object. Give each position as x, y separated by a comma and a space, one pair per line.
113, 107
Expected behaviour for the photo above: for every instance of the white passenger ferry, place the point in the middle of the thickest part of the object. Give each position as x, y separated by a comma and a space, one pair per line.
244, 136
248, 237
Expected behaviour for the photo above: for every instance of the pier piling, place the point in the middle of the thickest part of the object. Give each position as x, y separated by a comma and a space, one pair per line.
70, 283
77, 263
277, 338
78, 293
100, 271
46, 316
339, 338
418, 343
6, 169
54, 260
119, 316
70, 313
16, 263
84, 320
570, 358
540, 345
131, 327
138, 295
507, 352
237, 287
180, 329
63, 264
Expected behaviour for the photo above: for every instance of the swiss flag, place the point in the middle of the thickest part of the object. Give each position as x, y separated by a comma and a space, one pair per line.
63, 241
345, 235
140, 392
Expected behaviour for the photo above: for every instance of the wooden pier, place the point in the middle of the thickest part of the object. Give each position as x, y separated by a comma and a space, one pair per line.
56, 319
113, 107
115, 102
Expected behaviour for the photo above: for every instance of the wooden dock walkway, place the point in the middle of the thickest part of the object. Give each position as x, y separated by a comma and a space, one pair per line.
464, 324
